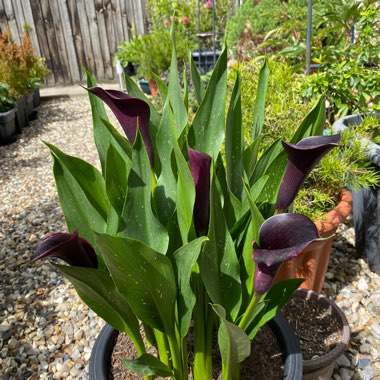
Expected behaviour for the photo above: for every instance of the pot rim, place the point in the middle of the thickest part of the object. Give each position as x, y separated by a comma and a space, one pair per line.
336, 311
328, 224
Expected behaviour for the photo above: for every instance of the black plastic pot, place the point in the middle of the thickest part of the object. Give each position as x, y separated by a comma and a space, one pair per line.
366, 202
8, 133
292, 357
21, 115
205, 60
29, 104
36, 97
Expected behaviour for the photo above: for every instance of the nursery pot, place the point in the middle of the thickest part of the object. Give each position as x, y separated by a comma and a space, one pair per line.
29, 103
8, 133
312, 263
36, 97
21, 115
322, 367
292, 357
366, 202
144, 85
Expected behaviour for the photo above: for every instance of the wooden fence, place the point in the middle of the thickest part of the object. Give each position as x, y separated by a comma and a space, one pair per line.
70, 34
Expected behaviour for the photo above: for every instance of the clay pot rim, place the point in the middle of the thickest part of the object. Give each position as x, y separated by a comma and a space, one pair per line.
328, 224
333, 308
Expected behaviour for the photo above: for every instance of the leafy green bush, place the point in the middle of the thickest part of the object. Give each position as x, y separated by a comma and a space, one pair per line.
249, 30
284, 107
152, 52
184, 13
19, 67
350, 74
7, 102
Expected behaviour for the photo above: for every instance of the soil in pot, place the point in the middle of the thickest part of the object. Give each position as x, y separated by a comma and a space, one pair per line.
265, 349
322, 329
317, 330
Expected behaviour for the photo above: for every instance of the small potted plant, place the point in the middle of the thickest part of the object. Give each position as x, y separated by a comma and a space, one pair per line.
173, 233
22, 71
8, 132
151, 53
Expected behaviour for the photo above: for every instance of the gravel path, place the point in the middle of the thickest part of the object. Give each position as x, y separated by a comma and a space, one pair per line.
46, 332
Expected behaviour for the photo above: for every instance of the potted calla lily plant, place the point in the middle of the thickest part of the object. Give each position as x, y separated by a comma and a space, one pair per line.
184, 228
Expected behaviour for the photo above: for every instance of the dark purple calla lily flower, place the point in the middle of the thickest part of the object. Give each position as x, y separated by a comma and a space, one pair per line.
130, 112
282, 237
200, 164
302, 157
71, 248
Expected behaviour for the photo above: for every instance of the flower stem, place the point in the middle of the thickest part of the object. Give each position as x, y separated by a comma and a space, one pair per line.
246, 318
162, 347
203, 328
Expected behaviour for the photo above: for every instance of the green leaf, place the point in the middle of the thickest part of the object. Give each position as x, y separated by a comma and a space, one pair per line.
119, 142
196, 80
88, 178
314, 122
259, 110
79, 212
219, 265
140, 222
185, 87
185, 196
148, 365
266, 159
249, 157
174, 93
207, 131
247, 269
96, 288
116, 178
234, 142
144, 276
166, 189
234, 343
257, 218
185, 258
278, 295
101, 135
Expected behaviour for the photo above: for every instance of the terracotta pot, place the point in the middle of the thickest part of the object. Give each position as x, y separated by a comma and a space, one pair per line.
291, 352
312, 263
322, 367
153, 87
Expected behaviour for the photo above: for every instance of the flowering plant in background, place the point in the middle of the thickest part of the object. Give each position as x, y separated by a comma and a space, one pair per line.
173, 232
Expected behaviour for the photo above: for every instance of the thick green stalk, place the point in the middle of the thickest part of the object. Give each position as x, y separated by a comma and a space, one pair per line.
176, 359
162, 346
149, 336
203, 327
246, 318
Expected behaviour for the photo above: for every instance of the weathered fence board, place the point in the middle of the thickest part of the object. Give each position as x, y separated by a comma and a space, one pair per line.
70, 34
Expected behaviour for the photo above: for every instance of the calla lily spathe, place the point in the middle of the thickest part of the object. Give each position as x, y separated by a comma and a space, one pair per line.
200, 164
281, 237
70, 248
302, 158
130, 112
